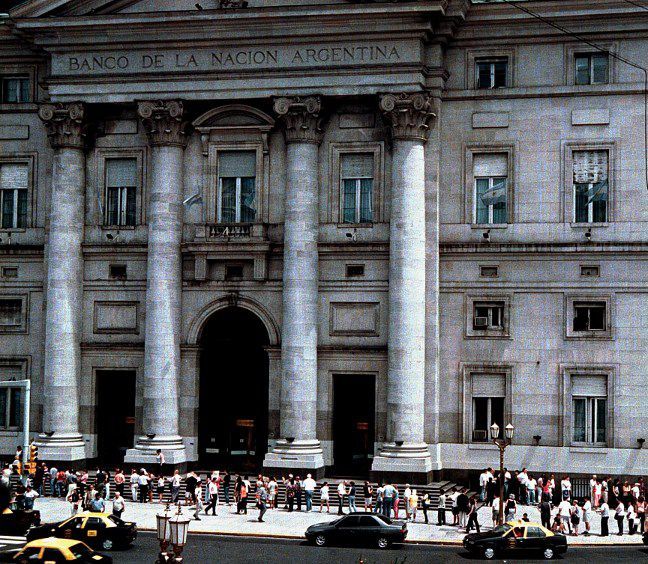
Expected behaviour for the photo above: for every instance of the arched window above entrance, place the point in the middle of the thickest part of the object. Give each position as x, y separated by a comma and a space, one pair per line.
235, 145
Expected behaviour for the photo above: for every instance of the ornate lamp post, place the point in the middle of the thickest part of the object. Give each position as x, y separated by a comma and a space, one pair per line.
163, 533
501, 444
179, 528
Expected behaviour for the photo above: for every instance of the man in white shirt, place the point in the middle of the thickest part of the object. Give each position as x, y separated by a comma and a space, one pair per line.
341, 490
605, 517
406, 496
176, 480
309, 488
134, 479
497, 504
453, 500
531, 490
564, 510
483, 481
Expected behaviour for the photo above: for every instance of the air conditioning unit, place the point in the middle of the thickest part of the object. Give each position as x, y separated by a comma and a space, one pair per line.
481, 321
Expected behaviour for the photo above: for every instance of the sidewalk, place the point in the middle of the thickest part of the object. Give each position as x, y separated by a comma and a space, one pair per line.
280, 523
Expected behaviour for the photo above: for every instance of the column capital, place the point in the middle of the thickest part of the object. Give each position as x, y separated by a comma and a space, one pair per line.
163, 122
409, 114
301, 118
65, 123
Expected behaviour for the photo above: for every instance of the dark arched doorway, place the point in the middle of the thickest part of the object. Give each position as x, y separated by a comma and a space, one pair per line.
233, 411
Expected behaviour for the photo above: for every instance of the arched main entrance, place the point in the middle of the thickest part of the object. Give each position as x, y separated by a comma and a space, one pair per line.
233, 410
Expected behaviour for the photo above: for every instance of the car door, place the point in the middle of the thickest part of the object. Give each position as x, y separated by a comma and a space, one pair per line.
71, 529
535, 539
368, 529
346, 530
514, 540
95, 531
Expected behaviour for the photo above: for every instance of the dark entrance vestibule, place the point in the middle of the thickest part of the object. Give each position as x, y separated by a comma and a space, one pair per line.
233, 411
115, 415
354, 411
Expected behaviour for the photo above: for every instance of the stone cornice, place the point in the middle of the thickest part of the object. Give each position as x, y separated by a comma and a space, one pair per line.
163, 122
409, 115
66, 124
301, 118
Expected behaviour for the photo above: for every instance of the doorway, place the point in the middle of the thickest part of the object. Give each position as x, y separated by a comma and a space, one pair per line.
115, 414
354, 412
233, 412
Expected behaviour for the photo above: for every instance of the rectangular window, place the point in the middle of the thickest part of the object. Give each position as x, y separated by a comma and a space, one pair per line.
592, 68
15, 89
488, 315
590, 316
236, 187
355, 270
591, 186
117, 271
488, 271
491, 73
121, 188
14, 182
590, 420
11, 399
11, 312
357, 170
486, 411
490, 172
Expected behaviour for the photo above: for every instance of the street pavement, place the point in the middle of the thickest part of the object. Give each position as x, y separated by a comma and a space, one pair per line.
280, 523
208, 549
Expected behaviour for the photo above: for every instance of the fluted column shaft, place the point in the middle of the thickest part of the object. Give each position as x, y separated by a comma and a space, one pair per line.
405, 451
299, 447
164, 124
61, 439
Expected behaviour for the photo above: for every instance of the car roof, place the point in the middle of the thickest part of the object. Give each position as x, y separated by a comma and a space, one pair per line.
92, 514
52, 542
523, 524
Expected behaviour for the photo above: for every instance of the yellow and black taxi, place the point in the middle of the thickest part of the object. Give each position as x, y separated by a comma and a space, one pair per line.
516, 538
99, 530
52, 550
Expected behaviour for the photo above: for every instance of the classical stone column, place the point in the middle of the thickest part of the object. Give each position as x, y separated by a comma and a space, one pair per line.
164, 124
405, 450
298, 446
61, 439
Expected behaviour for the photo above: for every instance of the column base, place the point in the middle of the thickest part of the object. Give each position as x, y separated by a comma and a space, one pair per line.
409, 462
146, 449
61, 447
305, 456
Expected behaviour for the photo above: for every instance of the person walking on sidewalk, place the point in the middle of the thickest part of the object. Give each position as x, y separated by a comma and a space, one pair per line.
134, 480
212, 488
262, 500
309, 490
198, 501
472, 515
341, 491
176, 480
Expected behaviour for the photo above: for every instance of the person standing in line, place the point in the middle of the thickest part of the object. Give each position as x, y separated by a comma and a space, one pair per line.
119, 481
244, 495
631, 516
176, 481
463, 502
299, 488
406, 495
564, 510
575, 517
472, 515
453, 506
143, 485
212, 486
441, 509
368, 497
341, 491
134, 481
351, 496
545, 513
227, 480
619, 515
426, 506
290, 494
412, 502
159, 460
53, 472
483, 481
198, 501
273, 486
118, 505
389, 494
565, 488
511, 508
74, 499
380, 493
324, 497
309, 489
641, 513
39, 476
262, 500
396, 502
587, 515
605, 484
496, 508
605, 517
598, 491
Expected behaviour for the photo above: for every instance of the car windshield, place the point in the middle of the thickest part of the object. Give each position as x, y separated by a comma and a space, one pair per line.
80, 550
502, 529
115, 520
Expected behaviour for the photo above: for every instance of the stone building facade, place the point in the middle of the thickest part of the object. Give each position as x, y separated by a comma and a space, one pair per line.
341, 236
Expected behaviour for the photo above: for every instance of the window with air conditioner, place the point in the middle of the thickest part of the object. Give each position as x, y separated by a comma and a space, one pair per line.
490, 172
591, 186
488, 315
237, 198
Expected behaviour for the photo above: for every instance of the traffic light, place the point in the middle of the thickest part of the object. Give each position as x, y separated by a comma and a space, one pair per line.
33, 458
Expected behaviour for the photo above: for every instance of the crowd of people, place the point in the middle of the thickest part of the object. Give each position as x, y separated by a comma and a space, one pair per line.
508, 493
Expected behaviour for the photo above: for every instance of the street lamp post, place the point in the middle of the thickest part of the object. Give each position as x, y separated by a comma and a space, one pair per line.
163, 533
171, 532
501, 444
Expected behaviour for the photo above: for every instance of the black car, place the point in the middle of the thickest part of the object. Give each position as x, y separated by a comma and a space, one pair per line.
16, 522
358, 529
99, 530
516, 537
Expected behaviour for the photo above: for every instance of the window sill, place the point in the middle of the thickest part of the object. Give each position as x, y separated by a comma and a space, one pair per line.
487, 335
355, 225
590, 336
13, 229
575, 225
489, 225
589, 449
119, 227
482, 446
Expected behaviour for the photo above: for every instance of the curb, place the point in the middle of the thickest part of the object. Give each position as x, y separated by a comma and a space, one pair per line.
438, 542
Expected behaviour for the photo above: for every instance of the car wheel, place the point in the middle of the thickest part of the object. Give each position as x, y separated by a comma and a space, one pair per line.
489, 553
107, 544
548, 553
320, 540
382, 542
